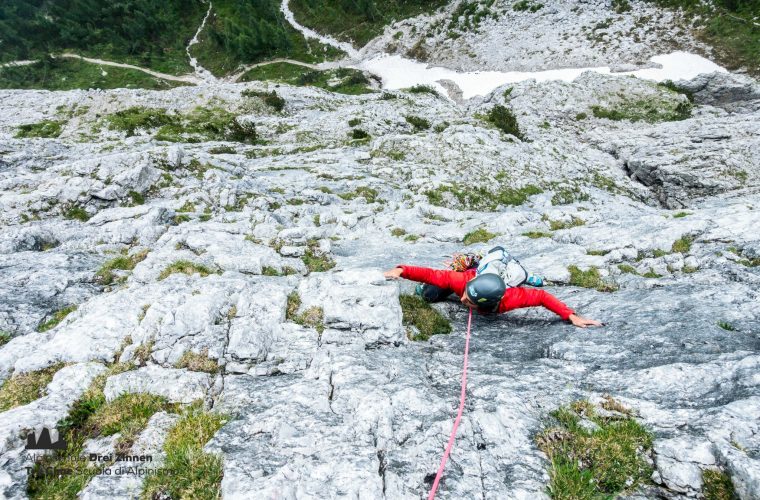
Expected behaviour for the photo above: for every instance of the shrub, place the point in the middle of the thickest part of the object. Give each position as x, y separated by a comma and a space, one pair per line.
354, 122
581, 116
417, 123
76, 212
726, 326
359, 134
480, 235
418, 313
527, 5
131, 119
271, 99
503, 118
423, 89
598, 463
137, 198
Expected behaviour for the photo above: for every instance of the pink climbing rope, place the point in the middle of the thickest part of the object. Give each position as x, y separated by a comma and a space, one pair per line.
452, 437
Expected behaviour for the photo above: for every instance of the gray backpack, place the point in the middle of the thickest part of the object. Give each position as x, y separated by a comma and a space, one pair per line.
498, 261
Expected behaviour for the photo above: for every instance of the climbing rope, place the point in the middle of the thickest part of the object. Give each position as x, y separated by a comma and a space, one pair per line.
452, 437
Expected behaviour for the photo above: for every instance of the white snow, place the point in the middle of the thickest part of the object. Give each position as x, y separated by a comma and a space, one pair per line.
398, 72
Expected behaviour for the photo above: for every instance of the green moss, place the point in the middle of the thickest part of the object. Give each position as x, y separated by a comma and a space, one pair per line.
56, 318
479, 235
417, 122
590, 279
105, 274
480, 198
46, 129
716, 485
185, 267
600, 463
682, 245
418, 313
504, 119
188, 471
726, 326
24, 388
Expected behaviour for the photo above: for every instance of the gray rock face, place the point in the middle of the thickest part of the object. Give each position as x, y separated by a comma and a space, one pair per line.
326, 395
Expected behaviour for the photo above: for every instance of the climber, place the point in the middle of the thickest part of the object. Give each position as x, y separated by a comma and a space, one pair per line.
487, 292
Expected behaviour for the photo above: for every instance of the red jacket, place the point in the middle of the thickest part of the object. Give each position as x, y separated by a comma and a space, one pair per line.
514, 298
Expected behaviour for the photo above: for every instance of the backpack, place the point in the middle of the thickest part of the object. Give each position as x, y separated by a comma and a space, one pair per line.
498, 261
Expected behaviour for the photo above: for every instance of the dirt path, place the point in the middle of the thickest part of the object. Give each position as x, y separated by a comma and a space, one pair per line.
184, 78
246, 69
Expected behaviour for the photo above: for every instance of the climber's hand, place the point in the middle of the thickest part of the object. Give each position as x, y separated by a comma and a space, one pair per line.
582, 322
393, 274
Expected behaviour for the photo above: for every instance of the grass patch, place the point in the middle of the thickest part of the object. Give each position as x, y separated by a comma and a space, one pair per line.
716, 485
5, 337
598, 463
480, 235
556, 225
106, 275
567, 196
590, 279
222, 150
650, 110
272, 271
185, 267
682, 245
397, 231
315, 261
75, 212
56, 318
189, 472
527, 6
537, 234
628, 269
417, 123
680, 215
312, 317
480, 198
24, 388
359, 134
422, 89
597, 252
651, 274
419, 314
202, 124
70, 74
366, 192
726, 326
505, 120
49, 129
198, 362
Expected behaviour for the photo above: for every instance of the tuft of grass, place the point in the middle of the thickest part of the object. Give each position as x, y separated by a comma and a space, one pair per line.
366, 192
682, 245
566, 196
132, 119
717, 485
600, 463
56, 318
726, 326
556, 225
480, 198
312, 317
418, 123
418, 313
397, 231
680, 215
137, 198
24, 388
581, 116
537, 234
317, 263
293, 304
480, 235
628, 269
5, 337
185, 267
590, 279
105, 274
597, 252
76, 212
359, 134
188, 471
49, 129
505, 120
651, 274
198, 362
